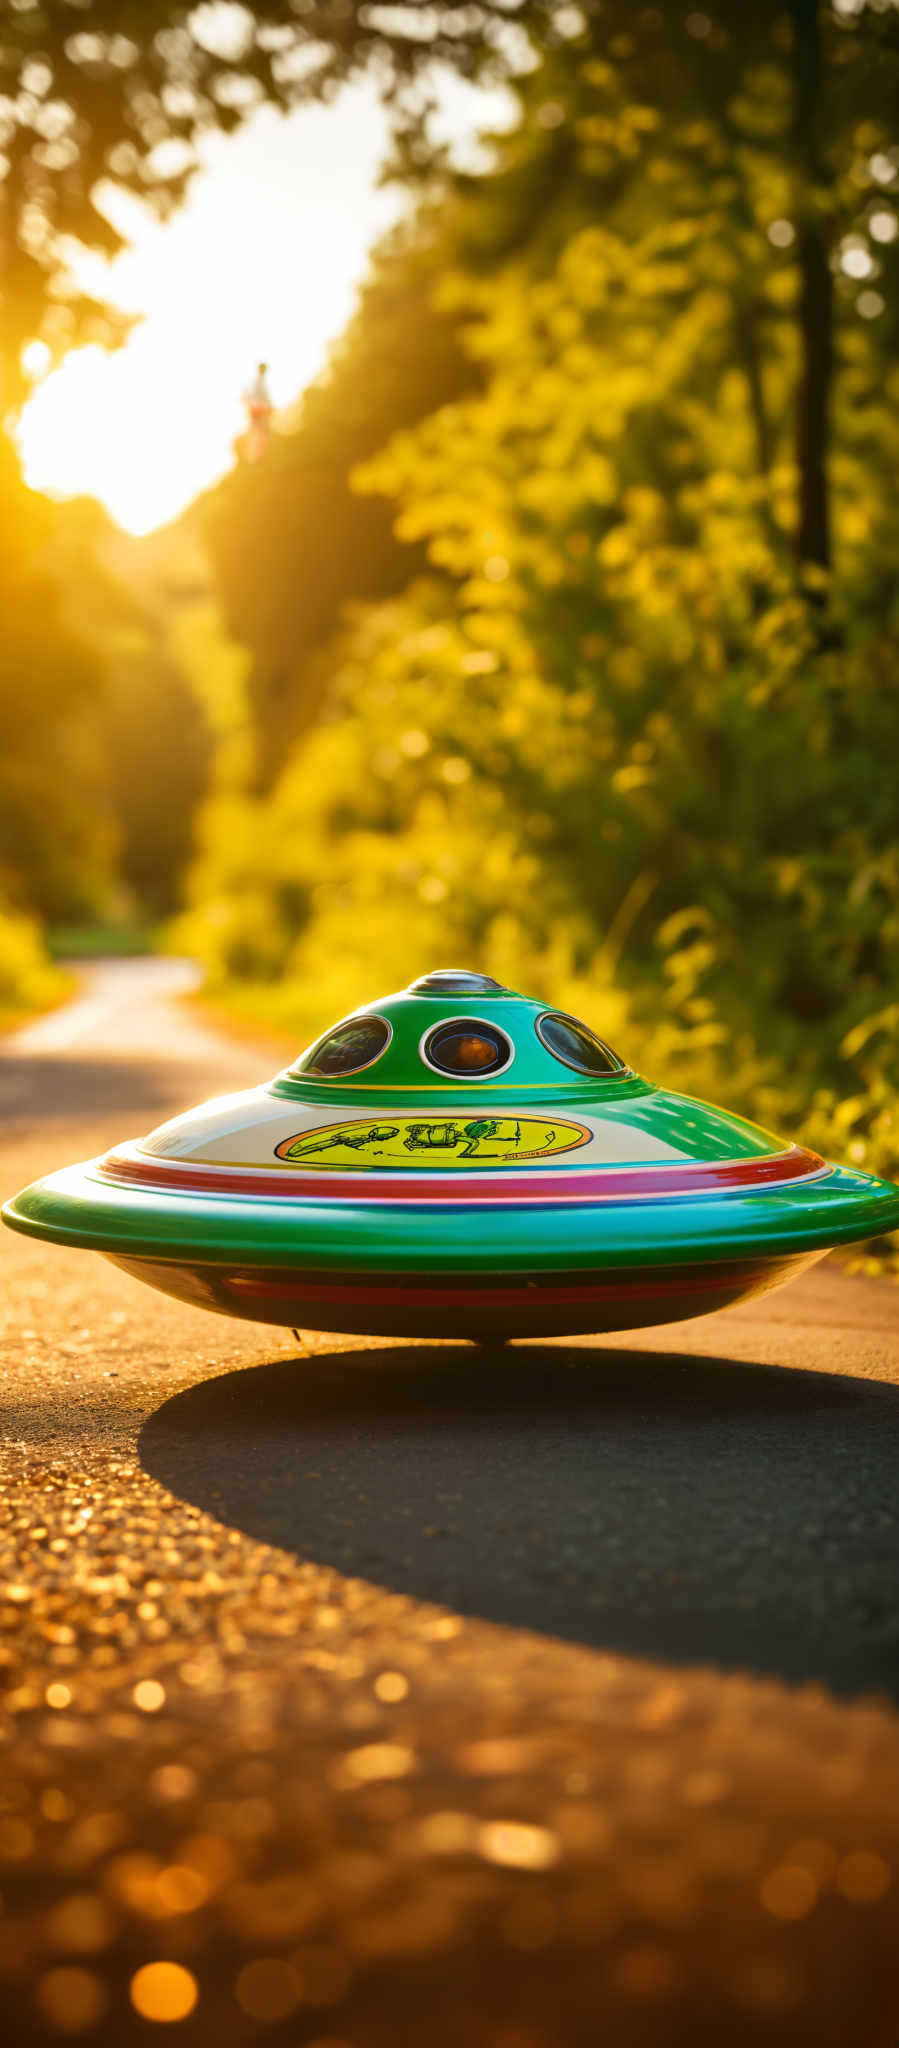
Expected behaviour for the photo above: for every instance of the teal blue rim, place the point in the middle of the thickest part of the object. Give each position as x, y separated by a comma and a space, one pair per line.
73, 1207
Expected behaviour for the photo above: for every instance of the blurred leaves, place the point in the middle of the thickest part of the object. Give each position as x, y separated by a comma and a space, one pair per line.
55, 846
106, 740
604, 746
292, 540
97, 93
526, 674
27, 979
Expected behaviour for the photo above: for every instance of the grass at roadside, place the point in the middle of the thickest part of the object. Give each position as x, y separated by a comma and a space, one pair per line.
102, 941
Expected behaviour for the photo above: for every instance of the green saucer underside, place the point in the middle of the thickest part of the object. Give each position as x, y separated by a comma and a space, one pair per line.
360, 1235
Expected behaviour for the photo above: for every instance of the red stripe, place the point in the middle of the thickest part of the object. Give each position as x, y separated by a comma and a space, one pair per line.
586, 1184
688, 1280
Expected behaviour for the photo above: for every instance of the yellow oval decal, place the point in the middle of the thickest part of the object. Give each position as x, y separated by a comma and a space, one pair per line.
434, 1142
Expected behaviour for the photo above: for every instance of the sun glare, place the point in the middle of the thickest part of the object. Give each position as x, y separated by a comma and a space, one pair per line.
263, 260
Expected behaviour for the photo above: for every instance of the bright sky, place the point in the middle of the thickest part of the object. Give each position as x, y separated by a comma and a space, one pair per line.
261, 261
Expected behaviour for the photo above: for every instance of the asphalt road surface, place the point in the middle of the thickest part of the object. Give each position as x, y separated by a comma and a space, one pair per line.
381, 1696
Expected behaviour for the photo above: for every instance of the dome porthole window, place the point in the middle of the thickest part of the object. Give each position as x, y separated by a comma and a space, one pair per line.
576, 1045
346, 1050
467, 1048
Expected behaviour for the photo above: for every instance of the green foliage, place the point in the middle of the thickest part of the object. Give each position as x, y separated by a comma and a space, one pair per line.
56, 846
608, 748
152, 727
290, 539
113, 940
100, 92
106, 742
528, 675
27, 979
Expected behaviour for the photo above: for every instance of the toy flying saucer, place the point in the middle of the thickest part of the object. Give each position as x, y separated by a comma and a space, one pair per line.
457, 1160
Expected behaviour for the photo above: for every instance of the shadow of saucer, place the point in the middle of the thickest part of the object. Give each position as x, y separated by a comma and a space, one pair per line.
691, 1509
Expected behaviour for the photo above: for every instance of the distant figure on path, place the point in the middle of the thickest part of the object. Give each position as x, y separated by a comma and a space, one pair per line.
258, 402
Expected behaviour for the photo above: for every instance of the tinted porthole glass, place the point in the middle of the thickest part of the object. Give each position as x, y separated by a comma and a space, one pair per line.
464, 1046
577, 1045
346, 1049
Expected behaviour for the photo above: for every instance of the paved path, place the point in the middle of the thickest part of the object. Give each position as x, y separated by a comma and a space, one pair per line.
382, 1697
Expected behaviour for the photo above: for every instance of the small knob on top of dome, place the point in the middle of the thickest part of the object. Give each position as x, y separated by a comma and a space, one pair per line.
455, 981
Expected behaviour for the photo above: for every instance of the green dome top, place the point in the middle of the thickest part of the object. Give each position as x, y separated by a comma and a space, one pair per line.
455, 1033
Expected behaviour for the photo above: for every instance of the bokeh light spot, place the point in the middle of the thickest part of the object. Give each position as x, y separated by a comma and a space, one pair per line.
71, 2000
82, 1924
518, 1845
55, 1805
863, 1877
856, 260
149, 1695
16, 1839
173, 1782
373, 1761
455, 769
789, 1892
268, 1989
446, 1834
163, 1991
391, 1685
414, 743
179, 1889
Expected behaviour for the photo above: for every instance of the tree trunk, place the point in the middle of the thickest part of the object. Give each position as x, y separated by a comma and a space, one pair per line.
815, 312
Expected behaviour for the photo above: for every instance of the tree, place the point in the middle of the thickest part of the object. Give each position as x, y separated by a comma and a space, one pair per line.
57, 842
603, 748
152, 736
126, 92
106, 749
291, 540
98, 91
